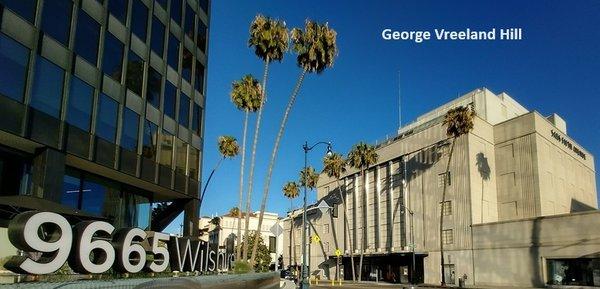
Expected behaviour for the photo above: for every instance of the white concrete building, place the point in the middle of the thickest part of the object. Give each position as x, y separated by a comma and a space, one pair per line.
515, 168
225, 233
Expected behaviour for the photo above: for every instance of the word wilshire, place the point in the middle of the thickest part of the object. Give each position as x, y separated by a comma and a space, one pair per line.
94, 247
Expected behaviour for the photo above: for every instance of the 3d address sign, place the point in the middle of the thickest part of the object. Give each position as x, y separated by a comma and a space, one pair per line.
93, 247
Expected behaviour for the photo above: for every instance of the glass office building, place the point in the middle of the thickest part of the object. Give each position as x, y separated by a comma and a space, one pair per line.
101, 109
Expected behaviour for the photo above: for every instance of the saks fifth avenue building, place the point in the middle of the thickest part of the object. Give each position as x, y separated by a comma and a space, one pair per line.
521, 205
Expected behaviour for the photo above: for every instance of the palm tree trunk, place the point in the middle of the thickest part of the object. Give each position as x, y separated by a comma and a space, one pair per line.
364, 225
286, 114
347, 230
253, 158
238, 254
208, 181
443, 283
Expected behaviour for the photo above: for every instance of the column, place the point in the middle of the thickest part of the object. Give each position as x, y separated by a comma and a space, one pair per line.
47, 174
190, 218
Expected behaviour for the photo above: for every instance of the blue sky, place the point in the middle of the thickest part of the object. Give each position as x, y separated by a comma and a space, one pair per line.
555, 68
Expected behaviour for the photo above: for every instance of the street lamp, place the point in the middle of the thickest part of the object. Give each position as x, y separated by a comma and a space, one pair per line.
304, 283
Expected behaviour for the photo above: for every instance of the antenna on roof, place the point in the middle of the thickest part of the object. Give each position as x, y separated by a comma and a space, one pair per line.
399, 101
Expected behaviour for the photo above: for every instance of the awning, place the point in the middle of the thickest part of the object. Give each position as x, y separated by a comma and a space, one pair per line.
384, 254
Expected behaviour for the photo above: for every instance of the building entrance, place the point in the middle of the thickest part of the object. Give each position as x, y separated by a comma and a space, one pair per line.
392, 268
574, 272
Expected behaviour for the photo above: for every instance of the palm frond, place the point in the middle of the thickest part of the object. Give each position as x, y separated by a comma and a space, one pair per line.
246, 94
291, 190
228, 146
316, 46
309, 178
459, 121
269, 37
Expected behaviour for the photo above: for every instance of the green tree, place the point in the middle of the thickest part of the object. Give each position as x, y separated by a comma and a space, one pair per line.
234, 212
246, 94
309, 178
458, 122
228, 148
361, 157
316, 47
334, 165
263, 257
291, 191
270, 40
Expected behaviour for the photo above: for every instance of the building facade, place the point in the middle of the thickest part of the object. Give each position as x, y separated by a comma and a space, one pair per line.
101, 109
222, 230
514, 165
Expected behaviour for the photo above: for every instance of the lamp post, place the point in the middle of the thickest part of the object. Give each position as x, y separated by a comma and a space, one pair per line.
304, 283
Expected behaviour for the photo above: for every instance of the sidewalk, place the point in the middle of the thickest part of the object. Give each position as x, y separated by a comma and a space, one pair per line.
373, 284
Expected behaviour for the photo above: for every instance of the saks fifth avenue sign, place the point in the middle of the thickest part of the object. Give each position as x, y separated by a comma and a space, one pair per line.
567, 144
94, 247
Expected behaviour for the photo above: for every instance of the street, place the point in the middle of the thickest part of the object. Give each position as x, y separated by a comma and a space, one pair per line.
287, 284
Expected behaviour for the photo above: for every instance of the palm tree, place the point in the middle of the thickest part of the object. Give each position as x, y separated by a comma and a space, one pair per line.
234, 212
458, 121
270, 40
361, 157
316, 47
309, 178
246, 94
334, 166
228, 148
291, 191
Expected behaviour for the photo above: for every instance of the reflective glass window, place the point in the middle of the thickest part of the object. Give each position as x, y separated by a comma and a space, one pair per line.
71, 189
139, 19
56, 20
190, 17
87, 37
204, 5
170, 96
173, 52
199, 82
166, 149
169, 100
137, 210
176, 10
186, 65
196, 118
47, 88
194, 162
184, 110
135, 73
162, 3
79, 110
24, 8
91, 194
153, 87
106, 121
202, 32
181, 156
129, 135
158, 36
118, 8
149, 142
13, 70
112, 60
